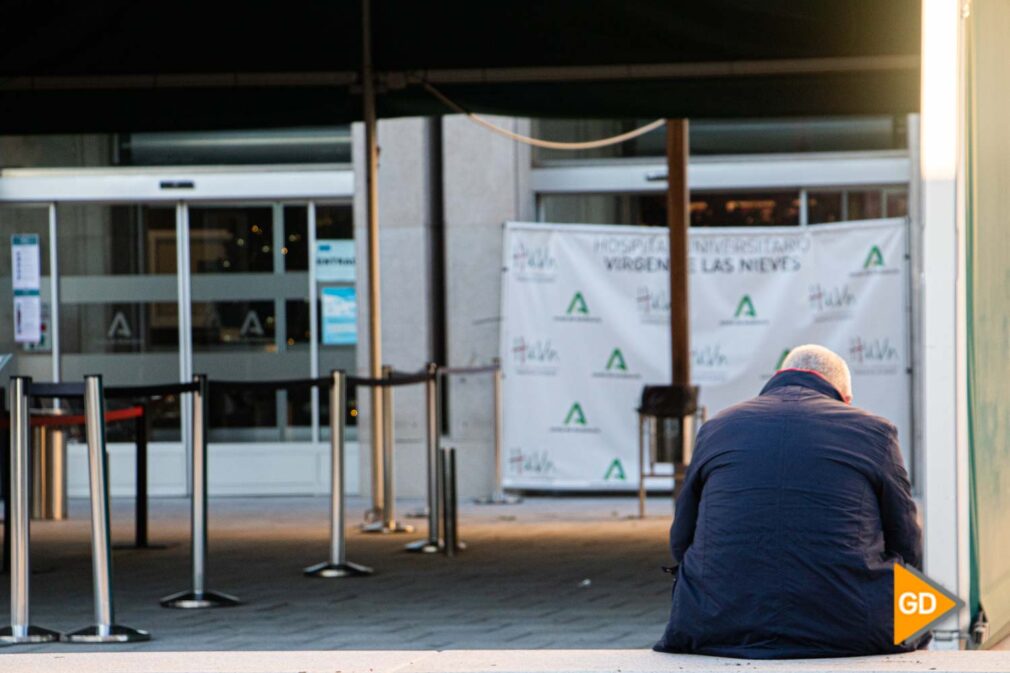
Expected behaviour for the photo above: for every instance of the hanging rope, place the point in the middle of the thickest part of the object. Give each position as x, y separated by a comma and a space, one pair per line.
537, 142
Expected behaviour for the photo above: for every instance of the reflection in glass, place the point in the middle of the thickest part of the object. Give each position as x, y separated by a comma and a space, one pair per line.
140, 327
231, 239
824, 207
116, 240
234, 324
865, 205
332, 221
708, 209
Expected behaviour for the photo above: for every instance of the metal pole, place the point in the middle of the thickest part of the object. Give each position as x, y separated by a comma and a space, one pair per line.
20, 630
105, 629
313, 318
388, 524
372, 206
185, 313
140, 506
641, 467
54, 298
451, 522
431, 397
199, 597
498, 496
338, 565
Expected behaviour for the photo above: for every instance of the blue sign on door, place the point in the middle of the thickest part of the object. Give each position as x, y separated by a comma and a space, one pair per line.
340, 316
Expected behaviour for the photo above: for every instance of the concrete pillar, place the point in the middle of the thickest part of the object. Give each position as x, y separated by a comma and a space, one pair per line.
486, 184
404, 220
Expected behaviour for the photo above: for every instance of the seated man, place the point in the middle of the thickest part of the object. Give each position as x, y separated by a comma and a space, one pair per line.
792, 513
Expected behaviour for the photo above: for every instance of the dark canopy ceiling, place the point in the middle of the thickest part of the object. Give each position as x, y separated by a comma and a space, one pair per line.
130, 66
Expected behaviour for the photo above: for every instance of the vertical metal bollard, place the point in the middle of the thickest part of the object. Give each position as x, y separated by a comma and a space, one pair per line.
105, 629
434, 421
450, 512
21, 630
338, 565
389, 524
199, 597
641, 466
498, 496
140, 506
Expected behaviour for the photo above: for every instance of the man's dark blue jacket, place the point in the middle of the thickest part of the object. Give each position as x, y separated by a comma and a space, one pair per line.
792, 514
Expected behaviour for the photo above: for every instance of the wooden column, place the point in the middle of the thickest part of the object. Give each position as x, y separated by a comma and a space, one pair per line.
678, 219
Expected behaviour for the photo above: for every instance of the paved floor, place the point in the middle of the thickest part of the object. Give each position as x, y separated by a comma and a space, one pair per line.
486, 661
548, 573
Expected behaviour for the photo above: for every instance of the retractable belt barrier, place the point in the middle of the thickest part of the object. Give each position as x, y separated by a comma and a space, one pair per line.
198, 596
21, 630
105, 629
337, 565
138, 412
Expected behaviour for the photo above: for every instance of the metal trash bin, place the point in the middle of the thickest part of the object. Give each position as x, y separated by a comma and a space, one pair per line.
49, 468
670, 417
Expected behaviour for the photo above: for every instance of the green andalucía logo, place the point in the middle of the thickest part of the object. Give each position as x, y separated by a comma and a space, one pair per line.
578, 305
874, 258
745, 308
615, 471
575, 415
616, 361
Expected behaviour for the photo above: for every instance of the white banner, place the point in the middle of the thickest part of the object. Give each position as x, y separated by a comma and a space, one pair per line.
585, 324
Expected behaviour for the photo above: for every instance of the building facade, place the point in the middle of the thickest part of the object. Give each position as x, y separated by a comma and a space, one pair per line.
111, 209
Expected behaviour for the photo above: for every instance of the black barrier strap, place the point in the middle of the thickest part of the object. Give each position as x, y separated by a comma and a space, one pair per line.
487, 369
159, 390
280, 384
395, 380
56, 390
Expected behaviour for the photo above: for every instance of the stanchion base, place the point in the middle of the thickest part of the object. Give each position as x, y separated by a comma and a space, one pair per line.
423, 547
113, 634
334, 570
499, 499
34, 634
391, 527
196, 600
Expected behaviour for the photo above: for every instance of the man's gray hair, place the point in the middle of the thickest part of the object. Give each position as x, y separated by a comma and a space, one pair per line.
823, 361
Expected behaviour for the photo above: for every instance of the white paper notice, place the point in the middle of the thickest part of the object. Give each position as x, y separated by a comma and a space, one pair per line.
25, 262
26, 278
27, 318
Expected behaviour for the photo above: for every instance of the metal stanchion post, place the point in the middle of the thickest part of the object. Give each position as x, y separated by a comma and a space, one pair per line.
338, 565
21, 630
140, 506
199, 597
449, 502
389, 524
498, 496
105, 629
641, 466
431, 394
